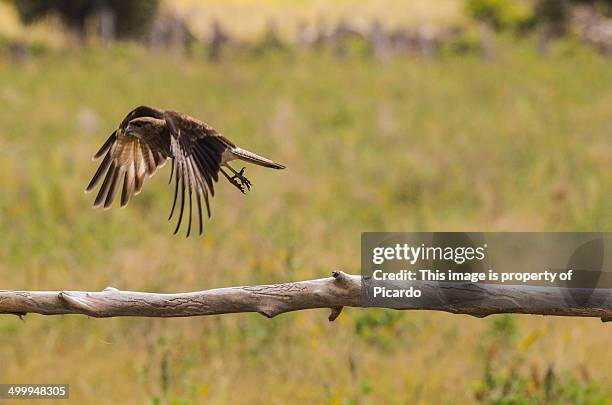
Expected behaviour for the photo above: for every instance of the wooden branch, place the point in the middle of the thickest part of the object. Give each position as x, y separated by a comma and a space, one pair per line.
341, 290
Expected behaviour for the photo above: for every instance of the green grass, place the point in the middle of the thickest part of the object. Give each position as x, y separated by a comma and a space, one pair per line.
518, 144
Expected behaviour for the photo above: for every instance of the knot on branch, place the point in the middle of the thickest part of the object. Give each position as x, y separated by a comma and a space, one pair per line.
341, 278
335, 313
77, 304
268, 313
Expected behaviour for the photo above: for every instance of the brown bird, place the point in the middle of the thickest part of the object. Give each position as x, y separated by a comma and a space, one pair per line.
147, 137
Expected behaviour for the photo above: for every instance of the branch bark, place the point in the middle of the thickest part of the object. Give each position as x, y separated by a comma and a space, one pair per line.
340, 290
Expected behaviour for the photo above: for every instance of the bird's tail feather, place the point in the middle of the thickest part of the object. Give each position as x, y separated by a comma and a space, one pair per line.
255, 159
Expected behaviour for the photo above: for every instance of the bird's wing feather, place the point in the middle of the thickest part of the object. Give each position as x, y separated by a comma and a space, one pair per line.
196, 151
129, 160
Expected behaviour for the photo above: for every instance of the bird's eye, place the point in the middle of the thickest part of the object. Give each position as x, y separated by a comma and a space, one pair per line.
137, 124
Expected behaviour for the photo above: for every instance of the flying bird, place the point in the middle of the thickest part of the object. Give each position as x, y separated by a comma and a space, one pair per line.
147, 137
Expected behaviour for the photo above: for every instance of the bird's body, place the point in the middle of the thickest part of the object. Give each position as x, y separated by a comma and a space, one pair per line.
147, 137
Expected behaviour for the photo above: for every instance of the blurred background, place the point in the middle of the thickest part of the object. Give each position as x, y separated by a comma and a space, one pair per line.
476, 115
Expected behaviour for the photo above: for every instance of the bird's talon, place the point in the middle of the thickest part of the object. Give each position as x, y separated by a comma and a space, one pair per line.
238, 185
241, 181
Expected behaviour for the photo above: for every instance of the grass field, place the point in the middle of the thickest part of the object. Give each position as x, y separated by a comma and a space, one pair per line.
519, 144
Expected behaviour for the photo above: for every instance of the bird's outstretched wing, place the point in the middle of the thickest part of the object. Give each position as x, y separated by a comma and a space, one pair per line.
196, 150
128, 159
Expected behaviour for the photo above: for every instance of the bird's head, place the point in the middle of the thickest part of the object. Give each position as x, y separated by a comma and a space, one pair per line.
145, 126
